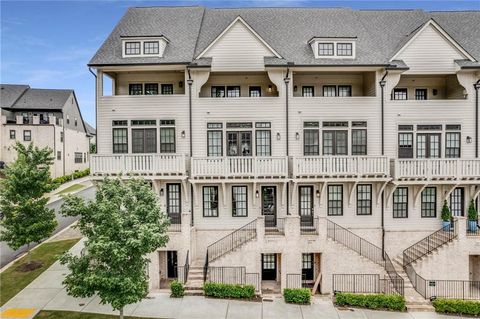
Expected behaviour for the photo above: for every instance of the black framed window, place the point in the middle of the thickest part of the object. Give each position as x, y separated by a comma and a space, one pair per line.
239, 143
428, 145
335, 142
344, 90
400, 94
218, 91
78, 158
167, 140
269, 261
233, 91
132, 48
329, 90
144, 140
400, 203
429, 202
305, 203
420, 94
27, 135
143, 122
151, 88
239, 201
12, 134
325, 49
308, 91
210, 201
452, 145
364, 199
255, 91
76, 122
120, 140
59, 155
344, 49
263, 142
335, 200
457, 202
167, 89
311, 142
135, 89
151, 47
359, 142
405, 145
307, 266
174, 200
214, 143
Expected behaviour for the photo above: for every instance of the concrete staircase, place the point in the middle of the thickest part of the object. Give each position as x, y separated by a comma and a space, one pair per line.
194, 284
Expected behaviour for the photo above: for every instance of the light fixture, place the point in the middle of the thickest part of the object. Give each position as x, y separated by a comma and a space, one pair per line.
161, 191
297, 136
278, 136
295, 88
469, 139
257, 194
183, 134
435, 91
180, 84
317, 193
269, 88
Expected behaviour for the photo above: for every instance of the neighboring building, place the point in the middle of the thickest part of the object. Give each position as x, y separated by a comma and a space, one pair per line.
271, 135
47, 118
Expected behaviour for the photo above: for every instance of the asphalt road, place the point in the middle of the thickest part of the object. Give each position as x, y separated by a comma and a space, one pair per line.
7, 254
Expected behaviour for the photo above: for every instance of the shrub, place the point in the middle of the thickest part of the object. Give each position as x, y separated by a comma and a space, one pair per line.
177, 290
446, 213
219, 290
66, 178
455, 306
373, 301
472, 212
299, 295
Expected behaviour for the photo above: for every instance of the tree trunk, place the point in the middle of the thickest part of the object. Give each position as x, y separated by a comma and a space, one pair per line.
29, 255
121, 313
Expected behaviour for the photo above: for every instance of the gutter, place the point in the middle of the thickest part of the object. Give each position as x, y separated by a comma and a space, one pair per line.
382, 83
477, 87
96, 99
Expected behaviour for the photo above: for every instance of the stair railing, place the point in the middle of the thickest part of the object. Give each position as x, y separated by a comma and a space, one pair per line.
186, 267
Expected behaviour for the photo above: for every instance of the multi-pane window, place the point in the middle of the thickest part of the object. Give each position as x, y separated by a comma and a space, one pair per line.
12, 134
311, 142
167, 89
150, 47
428, 145
364, 199
78, 158
135, 89
239, 143
344, 90
429, 202
151, 88
59, 155
400, 202
307, 266
400, 94
359, 142
263, 142
335, 200
452, 145
144, 140
218, 91
214, 143
308, 91
255, 91
325, 49
174, 202
62, 137
420, 94
305, 194
233, 91
329, 90
405, 145
335, 142
143, 122
344, 49
120, 140
167, 140
239, 201
132, 48
210, 201
27, 135
457, 200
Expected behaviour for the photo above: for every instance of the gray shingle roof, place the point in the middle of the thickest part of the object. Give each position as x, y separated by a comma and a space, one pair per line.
24, 97
380, 33
90, 130
9, 94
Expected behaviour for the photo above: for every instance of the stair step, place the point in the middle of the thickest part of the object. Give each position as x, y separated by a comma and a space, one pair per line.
420, 308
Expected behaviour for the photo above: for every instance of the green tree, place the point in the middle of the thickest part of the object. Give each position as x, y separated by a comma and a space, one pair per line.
26, 218
446, 213
122, 225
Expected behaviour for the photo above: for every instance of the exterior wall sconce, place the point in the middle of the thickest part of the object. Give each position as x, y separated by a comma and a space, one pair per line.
295, 88
269, 88
317, 193
180, 84
278, 136
469, 139
257, 194
161, 191
297, 136
435, 91
182, 134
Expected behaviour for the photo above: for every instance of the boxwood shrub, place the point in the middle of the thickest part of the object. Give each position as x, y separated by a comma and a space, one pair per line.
298, 295
177, 290
455, 306
219, 290
371, 301
66, 178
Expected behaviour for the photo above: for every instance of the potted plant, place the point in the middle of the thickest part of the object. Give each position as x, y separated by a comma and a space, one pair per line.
446, 216
472, 217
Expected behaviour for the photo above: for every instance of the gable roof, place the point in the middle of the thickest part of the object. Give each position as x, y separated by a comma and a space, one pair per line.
10, 93
90, 130
379, 33
26, 98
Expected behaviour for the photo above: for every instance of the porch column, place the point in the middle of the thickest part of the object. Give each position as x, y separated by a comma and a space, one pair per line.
461, 227
292, 228
260, 229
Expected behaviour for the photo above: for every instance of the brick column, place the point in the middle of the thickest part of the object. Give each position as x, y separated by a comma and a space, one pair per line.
461, 227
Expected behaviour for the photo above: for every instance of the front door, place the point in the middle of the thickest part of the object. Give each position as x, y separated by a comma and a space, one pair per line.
172, 264
305, 195
457, 202
269, 266
269, 205
307, 266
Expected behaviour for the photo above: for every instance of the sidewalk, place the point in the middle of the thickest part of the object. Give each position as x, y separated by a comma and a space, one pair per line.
85, 182
46, 292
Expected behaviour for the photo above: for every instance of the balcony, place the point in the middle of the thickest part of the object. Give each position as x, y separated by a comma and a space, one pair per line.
437, 169
239, 167
138, 164
340, 166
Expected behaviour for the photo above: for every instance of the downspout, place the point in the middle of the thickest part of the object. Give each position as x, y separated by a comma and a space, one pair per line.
96, 144
477, 87
64, 141
382, 90
190, 82
287, 81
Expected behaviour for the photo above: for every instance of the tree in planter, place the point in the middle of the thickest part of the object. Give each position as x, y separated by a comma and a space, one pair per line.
472, 216
446, 215
122, 225
26, 218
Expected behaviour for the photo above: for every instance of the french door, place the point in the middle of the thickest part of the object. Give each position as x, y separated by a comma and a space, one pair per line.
428, 145
239, 143
269, 266
269, 205
305, 197
457, 201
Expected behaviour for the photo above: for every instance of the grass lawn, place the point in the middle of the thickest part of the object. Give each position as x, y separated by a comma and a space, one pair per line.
76, 315
72, 188
12, 280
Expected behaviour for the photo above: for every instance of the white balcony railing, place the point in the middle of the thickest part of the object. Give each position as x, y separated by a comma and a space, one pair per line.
157, 164
325, 166
239, 167
428, 169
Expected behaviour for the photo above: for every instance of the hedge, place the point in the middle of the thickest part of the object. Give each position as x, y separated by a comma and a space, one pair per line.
456, 306
219, 290
66, 178
371, 301
298, 295
177, 290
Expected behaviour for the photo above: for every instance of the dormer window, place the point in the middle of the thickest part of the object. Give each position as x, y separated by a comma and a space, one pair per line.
325, 49
344, 49
333, 48
144, 47
150, 47
132, 48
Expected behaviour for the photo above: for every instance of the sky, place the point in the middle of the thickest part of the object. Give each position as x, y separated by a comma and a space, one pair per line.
47, 44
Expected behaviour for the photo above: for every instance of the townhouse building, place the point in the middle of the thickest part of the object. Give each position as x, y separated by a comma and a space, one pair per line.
48, 118
290, 146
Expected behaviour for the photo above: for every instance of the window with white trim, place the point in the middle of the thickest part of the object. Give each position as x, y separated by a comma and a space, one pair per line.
210, 201
239, 201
